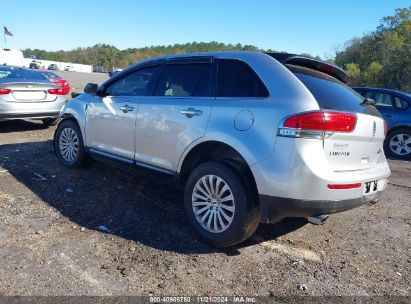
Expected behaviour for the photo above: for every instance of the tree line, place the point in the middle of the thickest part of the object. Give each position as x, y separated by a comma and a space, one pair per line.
381, 58
109, 56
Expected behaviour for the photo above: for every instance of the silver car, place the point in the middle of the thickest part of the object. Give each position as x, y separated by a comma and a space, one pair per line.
27, 94
252, 137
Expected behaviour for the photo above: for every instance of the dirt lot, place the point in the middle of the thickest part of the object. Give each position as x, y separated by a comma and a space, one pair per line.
100, 231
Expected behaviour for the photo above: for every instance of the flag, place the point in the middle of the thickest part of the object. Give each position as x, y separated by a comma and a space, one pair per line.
7, 32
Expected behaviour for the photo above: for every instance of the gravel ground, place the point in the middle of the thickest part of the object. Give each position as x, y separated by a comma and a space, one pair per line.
101, 231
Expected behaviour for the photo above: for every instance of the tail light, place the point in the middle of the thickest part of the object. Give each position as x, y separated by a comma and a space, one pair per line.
4, 91
385, 128
58, 91
317, 123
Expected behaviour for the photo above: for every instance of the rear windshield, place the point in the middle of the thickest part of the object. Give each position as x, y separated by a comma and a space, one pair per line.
50, 75
19, 73
332, 94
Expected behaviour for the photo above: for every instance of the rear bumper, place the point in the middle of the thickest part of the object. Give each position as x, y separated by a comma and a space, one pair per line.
36, 110
274, 209
11, 116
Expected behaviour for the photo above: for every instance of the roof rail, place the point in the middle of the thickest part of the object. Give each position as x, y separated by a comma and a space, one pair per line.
311, 63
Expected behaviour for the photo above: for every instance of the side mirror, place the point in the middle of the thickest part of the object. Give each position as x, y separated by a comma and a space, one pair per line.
91, 88
369, 102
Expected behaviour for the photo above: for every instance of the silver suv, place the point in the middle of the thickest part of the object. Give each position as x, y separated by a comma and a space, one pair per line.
252, 137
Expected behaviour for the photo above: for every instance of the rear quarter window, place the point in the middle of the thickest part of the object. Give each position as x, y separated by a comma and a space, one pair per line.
238, 79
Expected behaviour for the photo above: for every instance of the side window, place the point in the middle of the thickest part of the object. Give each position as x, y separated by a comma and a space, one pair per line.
383, 100
400, 103
237, 79
368, 94
134, 84
180, 80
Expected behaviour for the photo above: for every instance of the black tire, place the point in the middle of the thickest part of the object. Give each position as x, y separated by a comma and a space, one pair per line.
82, 158
50, 121
391, 138
245, 217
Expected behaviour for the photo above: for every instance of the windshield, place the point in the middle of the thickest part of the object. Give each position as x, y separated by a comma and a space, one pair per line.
19, 73
50, 75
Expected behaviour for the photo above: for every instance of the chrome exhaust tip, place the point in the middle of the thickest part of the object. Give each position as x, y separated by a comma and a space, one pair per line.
318, 219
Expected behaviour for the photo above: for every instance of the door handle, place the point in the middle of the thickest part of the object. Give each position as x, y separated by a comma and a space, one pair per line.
191, 112
126, 108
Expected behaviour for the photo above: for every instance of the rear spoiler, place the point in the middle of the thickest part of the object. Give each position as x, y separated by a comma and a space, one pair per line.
311, 63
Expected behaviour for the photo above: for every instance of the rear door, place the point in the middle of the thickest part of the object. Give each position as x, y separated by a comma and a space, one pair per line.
385, 104
177, 114
111, 119
359, 149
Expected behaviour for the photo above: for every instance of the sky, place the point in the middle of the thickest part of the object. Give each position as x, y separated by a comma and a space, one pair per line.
316, 27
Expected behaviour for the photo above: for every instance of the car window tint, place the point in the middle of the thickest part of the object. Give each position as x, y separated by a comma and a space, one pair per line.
330, 93
50, 75
400, 103
134, 84
370, 95
20, 73
237, 79
180, 80
383, 100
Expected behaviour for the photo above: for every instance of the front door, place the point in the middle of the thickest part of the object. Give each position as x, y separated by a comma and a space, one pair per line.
168, 122
111, 120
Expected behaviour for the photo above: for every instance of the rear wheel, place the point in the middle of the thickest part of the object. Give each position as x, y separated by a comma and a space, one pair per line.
50, 121
398, 144
69, 146
219, 206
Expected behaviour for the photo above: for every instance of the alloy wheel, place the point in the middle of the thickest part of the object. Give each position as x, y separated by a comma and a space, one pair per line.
400, 144
68, 144
213, 203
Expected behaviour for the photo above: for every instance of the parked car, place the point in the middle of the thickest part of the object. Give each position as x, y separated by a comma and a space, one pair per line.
53, 77
395, 107
36, 64
27, 94
252, 137
99, 69
69, 68
111, 74
53, 67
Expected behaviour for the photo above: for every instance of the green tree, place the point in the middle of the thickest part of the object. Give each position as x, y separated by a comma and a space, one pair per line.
354, 72
383, 56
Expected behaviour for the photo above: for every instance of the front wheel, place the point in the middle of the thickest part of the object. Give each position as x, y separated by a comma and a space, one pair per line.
398, 144
219, 205
69, 146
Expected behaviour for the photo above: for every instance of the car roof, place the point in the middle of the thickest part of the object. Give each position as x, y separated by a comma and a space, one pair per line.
249, 55
12, 67
236, 54
383, 90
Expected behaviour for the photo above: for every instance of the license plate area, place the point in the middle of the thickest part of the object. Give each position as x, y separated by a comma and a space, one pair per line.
29, 95
371, 187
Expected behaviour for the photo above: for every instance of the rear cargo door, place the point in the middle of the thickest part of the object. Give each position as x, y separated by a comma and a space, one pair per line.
346, 151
